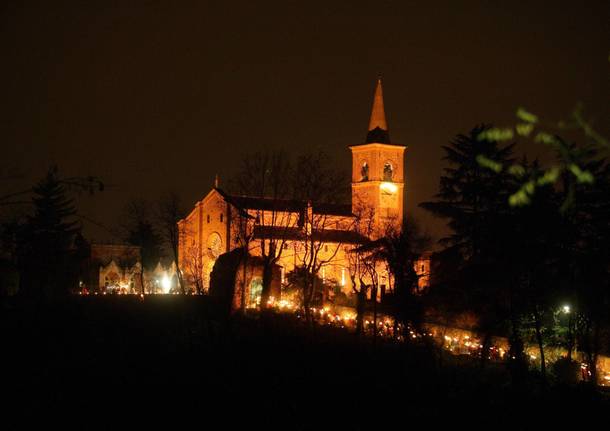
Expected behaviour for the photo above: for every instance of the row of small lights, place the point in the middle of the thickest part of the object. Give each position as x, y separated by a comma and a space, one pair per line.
385, 329
124, 293
385, 325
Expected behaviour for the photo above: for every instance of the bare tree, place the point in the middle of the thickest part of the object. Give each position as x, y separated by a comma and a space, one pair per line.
401, 247
138, 229
289, 197
193, 267
316, 182
357, 266
243, 239
266, 176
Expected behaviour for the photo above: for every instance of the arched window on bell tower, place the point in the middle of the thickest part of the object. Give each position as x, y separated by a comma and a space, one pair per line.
364, 172
388, 171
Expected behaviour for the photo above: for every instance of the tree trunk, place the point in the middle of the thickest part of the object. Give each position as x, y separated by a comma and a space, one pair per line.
267, 278
180, 279
360, 307
516, 341
307, 298
594, 353
539, 340
570, 337
485, 349
307, 310
375, 329
242, 301
142, 281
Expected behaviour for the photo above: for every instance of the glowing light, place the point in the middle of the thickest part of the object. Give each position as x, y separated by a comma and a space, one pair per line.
388, 187
166, 284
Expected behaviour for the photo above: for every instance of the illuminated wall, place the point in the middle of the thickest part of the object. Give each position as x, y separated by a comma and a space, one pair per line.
378, 182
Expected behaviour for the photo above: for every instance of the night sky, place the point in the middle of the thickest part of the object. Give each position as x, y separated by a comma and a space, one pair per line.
153, 96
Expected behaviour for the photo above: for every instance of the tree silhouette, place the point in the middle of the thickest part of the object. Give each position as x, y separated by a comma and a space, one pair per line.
169, 212
530, 251
266, 176
401, 248
586, 263
46, 241
287, 190
470, 195
474, 201
315, 182
139, 229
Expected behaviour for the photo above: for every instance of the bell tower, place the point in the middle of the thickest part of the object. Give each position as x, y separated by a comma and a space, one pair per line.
378, 171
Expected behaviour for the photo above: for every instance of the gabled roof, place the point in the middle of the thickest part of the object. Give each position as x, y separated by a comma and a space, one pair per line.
288, 205
266, 204
298, 234
344, 210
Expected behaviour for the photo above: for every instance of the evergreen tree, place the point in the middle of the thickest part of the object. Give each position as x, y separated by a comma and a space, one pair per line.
474, 200
46, 263
471, 196
531, 249
586, 263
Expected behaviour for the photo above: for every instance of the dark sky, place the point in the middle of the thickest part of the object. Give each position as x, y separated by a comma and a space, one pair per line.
154, 96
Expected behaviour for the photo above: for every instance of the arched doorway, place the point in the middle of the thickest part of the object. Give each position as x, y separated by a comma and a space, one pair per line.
256, 290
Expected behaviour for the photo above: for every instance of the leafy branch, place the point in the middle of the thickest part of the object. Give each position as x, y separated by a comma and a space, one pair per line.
530, 127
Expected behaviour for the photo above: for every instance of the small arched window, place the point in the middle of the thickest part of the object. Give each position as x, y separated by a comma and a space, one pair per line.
388, 172
364, 172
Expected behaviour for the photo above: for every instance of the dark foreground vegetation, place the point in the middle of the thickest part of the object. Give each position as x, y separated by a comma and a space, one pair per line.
101, 357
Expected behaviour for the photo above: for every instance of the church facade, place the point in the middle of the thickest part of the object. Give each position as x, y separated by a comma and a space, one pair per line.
221, 223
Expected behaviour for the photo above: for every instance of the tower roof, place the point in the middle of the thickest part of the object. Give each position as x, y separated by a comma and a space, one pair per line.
378, 126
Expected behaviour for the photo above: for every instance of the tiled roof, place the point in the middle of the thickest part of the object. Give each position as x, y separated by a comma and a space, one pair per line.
289, 205
298, 234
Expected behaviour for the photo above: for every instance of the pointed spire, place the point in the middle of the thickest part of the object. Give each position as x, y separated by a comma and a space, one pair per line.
378, 111
378, 126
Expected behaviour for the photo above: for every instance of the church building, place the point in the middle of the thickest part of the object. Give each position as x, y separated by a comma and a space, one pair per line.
221, 223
